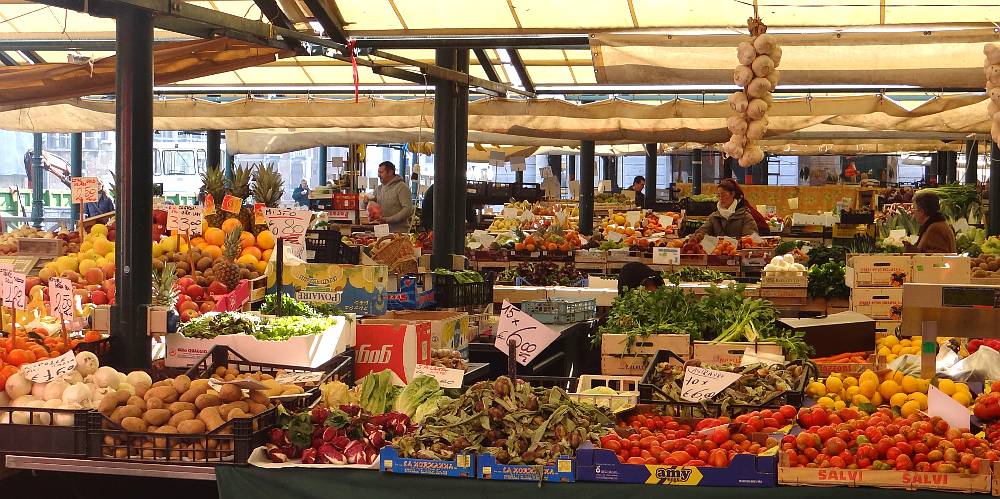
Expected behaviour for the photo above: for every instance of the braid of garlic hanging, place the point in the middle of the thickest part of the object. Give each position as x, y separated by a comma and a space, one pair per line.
992, 68
758, 75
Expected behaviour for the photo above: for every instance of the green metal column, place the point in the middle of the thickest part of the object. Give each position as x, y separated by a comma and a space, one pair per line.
651, 156
461, 142
37, 179
971, 162
321, 164
444, 162
696, 171
230, 164
213, 148
75, 169
993, 216
134, 214
571, 166
587, 187
951, 166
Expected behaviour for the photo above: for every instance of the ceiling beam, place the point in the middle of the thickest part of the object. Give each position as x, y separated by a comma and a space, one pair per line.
100, 45
522, 71
579, 42
487, 64
274, 14
329, 19
7, 60
32, 56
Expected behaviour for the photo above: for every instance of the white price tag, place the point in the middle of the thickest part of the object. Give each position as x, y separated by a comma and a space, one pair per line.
574, 189
84, 189
484, 237
666, 220
288, 223
337, 162
709, 243
49, 369
561, 217
527, 216
615, 236
700, 383
61, 298
381, 230
545, 172
667, 256
184, 218
940, 404
496, 158
13, 288
633, 216
516, 164
510, 213
299, 378
530, 336
753, 357
793, 203
897, 233
604, 186
446, 378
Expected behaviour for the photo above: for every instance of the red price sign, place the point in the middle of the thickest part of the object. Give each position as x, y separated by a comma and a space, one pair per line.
232, 204
84, 189
61, 298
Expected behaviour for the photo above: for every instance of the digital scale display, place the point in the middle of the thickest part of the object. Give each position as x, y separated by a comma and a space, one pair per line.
965, 297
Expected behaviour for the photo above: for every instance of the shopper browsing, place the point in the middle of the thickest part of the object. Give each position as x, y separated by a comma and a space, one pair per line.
393, 196
638, 184
101, 206
734, 216
936, 236
301, 194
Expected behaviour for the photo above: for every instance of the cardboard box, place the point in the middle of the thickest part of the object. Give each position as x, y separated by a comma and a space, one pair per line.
616, 361
942, 269
745, 470
767, 293
885, 328
878, 303
838, 333
463, 466
448, 329
182, 351
603, 297
411, 292
392, 344
590, 256
599, 282
358, 289
100, 320
784, 280
730, 352
878, 271
156, 320
488, 468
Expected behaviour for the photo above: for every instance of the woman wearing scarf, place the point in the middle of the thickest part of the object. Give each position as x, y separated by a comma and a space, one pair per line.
734, 217
936, 235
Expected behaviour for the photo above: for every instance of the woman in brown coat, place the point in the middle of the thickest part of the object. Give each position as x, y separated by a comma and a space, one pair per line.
733, 217
936, 236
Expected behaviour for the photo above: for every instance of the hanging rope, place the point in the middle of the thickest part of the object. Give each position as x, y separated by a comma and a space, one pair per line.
351, 46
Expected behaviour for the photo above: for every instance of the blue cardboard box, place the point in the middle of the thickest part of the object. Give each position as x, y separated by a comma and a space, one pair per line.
416, 292
463, 466
745, 470
563, 471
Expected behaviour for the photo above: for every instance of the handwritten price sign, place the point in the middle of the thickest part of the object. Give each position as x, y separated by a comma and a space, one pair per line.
84, 189
184, 218
530, 336
61, 298
287, 223
49, 369
701, 384
12, 287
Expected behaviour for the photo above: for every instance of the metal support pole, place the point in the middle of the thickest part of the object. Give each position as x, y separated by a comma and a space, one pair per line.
518, 178
587, 187
75, 170
37, 178
230, 164
696, 171
993, 223
403, 170
321, 166
971, 162
571, 165
727, 167
213, 147
461, 142
133, 155
951, 166
650, 175
444, 163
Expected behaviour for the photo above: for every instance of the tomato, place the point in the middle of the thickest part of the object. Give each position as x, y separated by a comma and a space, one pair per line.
718, 458
646, 442
652, 461
636, 460
837, 462
635, 452
696, 462
835, 445
612, 445
679, 457
719, 436
787, 411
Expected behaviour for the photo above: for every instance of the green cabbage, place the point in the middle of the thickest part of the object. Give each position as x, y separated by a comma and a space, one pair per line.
430, 406
416, 393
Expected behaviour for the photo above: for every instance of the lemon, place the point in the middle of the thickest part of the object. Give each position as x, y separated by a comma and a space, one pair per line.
826, 402
876, 399
905, 343
889, 341
839, 404
851, 392
910, 384
909, 408
860, 399
816, 389
962, 387
888, 388
947, 386
868, 375
850, 381
920, 398
896, 349
891, 357
834, 385
962, 397
898, 400
868, 388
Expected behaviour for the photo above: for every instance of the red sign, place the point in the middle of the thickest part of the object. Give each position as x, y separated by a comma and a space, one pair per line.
235, 299
345, 201
395, 345
258, 214
231, 204
209, 204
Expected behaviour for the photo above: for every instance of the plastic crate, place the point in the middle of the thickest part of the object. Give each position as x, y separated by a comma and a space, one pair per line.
698, 208
560, 311
230, 444
327, 246
449, 293
527, 192
626, 386
43, 440
339, 367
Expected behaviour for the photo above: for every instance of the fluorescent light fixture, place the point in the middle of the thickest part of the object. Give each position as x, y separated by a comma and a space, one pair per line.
674, 89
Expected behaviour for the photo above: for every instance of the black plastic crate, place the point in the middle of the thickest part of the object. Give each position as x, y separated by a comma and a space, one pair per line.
476, 188
448, 293
527, 192
502, 190
230, 444
699, 208
857, 218
339, 367
327, 246
47, 440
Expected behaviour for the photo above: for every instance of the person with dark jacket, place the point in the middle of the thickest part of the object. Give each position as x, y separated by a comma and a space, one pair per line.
639, 186
634, 275
101, 206
734, 216
935, 235
301, 194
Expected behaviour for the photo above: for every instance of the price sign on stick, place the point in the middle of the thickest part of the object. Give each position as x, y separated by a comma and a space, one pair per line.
287, 223
61, 298
381, 230
700, 383
530, 336
84, 189
666, 256
13, 289
49, 369
184, 218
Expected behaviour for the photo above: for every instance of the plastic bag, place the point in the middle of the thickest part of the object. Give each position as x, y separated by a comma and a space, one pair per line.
982, 365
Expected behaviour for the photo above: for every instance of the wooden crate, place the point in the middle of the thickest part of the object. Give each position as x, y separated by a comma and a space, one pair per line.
590, 257
694, 260
784, 280
981, 483
784, 293
616, 361
729, 352
39, 246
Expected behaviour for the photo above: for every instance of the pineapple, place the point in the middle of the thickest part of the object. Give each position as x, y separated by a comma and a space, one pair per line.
268, 187
225, 269
214, 183
241, 189
164, 292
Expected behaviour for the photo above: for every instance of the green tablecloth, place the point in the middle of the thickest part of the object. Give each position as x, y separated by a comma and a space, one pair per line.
257, 483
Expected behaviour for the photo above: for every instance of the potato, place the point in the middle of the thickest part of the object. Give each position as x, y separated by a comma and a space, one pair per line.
108, 405
163, 382
116, 416
182, 383
141, 388
191, 427
131, 411
180, 417
230, 393
161, 442
236, 413
256, 408
258, 396
122, 396
121, 453
177, 407
211, 417
292, 390
221, 371
165, 393
273, 388
134, 424
137, 401
207, 400
192, 393
157, 417
241, 405
147, 450
198, 383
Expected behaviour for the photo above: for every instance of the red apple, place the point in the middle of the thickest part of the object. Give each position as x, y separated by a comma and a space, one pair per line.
195, 291
217, 288
207, 306
99, 297
184, 282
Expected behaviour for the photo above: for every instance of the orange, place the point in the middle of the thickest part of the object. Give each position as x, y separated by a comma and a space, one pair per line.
265, 240
261, 266
20, 356
215, 236
230, 224
253, 251
92, 336
266, 255
212, 251
198, 242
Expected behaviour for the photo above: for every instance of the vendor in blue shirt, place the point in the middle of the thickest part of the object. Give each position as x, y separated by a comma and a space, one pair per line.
101, 206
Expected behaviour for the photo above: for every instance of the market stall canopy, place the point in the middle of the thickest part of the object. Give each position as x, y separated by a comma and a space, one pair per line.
26, 85
939, 59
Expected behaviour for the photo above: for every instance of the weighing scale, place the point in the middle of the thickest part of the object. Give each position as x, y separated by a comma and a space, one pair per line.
961, 310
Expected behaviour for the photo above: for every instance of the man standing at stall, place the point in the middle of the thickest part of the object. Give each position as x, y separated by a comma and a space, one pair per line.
393, 196
638, 186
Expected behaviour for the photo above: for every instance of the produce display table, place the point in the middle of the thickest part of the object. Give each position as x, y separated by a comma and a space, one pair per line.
257, 483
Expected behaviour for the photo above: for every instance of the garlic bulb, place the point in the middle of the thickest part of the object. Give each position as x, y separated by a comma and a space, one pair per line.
762, 66
738, 101
745, 53
751, 156
757, 128
992, 52
732, 149
737, 125
776, 55
742, 75
758, 87
757, 109
765, 44
773, 77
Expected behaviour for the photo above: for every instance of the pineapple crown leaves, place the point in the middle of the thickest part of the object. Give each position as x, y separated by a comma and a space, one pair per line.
164, 292
241, 180
231, 245
214, 182
268, 185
